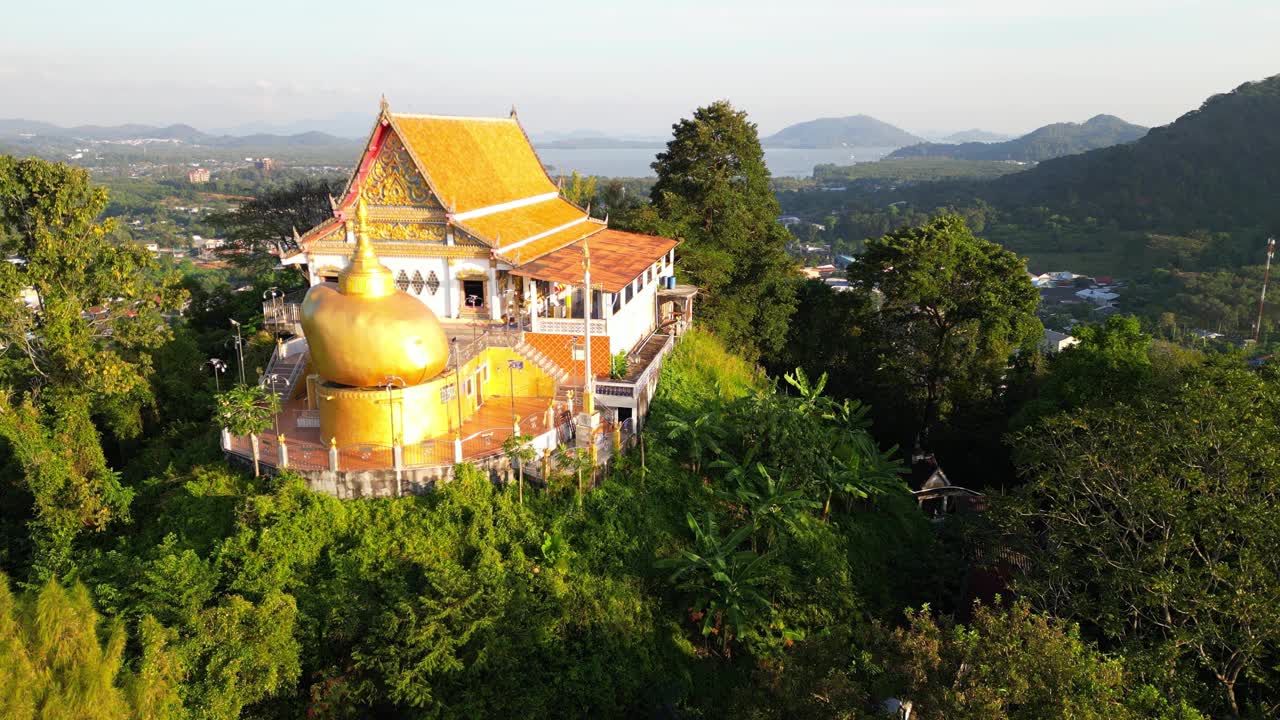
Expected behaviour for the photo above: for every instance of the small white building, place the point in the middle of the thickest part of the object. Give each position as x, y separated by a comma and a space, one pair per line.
1097, 296
1055, 342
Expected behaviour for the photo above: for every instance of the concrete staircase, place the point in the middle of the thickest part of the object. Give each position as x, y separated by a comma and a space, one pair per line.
544, 363
285, 371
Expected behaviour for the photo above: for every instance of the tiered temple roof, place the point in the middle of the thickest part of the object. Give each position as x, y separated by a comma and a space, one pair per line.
482, 176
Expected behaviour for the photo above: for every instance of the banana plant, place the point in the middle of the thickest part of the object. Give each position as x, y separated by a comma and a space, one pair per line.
724, 584
699, 435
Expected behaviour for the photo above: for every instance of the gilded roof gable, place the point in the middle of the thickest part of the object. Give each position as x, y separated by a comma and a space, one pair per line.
394, 179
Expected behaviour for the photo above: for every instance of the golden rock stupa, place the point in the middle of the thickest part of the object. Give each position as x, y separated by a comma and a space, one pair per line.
373, 346
364, 330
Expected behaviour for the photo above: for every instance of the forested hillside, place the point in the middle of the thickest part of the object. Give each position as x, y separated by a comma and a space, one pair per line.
1046, 143
1216, 168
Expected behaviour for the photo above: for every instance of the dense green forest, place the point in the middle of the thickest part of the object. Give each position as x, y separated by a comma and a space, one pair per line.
759, 555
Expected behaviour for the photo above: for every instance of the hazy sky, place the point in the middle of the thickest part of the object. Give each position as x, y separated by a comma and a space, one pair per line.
630, 66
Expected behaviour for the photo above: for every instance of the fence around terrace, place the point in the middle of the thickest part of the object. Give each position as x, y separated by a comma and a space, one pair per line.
300, 454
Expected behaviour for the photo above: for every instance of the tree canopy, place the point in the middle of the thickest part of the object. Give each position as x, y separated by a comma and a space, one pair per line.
946, 310
1154, 523
713, 192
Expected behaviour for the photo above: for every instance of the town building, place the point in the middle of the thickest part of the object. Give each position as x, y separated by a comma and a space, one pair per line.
456, 298
198, 176
1055, 342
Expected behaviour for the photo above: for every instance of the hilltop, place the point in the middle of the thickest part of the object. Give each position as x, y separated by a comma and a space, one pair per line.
1045, 143
852, 131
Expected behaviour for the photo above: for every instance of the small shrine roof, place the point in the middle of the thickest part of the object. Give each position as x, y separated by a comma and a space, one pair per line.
617, 257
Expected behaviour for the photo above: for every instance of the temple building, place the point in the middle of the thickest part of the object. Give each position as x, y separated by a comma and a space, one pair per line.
455, 298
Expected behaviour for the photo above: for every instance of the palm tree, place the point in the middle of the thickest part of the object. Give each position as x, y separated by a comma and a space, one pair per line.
725, 583
247, 410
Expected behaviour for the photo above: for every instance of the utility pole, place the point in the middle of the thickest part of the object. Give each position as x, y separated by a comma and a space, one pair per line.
1262, 299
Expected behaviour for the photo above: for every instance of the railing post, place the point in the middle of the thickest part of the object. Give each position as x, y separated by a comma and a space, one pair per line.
226, 439
457, 447
284, 451
333, 454
617, 438
546, 465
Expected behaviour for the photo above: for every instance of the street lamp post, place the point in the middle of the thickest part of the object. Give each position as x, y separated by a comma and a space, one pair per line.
389, 382
457, 381
272, 295
239, 349
512, 366
274, 379
218, 368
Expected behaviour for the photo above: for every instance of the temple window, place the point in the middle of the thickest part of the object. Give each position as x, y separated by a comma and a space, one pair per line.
433, 282
402, 281
418, 282
447, 393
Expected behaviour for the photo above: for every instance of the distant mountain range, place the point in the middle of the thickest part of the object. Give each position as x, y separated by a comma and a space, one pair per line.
1046, 143
852, 131
28, 129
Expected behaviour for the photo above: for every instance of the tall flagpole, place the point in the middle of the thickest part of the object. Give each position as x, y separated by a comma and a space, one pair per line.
588, 387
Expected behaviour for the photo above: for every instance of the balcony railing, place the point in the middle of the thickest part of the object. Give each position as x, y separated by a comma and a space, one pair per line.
642, 382
566, 326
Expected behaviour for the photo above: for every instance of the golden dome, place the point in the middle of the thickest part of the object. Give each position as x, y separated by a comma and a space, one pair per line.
365, 331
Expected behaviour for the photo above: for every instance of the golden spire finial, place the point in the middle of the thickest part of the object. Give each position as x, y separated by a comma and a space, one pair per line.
366, 275
362, 222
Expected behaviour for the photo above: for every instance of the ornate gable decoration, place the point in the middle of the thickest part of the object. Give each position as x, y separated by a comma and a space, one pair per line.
393, 179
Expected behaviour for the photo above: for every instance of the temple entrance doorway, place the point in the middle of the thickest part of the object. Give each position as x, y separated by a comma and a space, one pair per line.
473, 294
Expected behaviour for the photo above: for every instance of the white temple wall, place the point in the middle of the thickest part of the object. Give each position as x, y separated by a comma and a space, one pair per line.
634, 321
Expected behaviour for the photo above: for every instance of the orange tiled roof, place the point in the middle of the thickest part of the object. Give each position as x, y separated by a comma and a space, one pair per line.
520, 223
474, 162
617, 257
